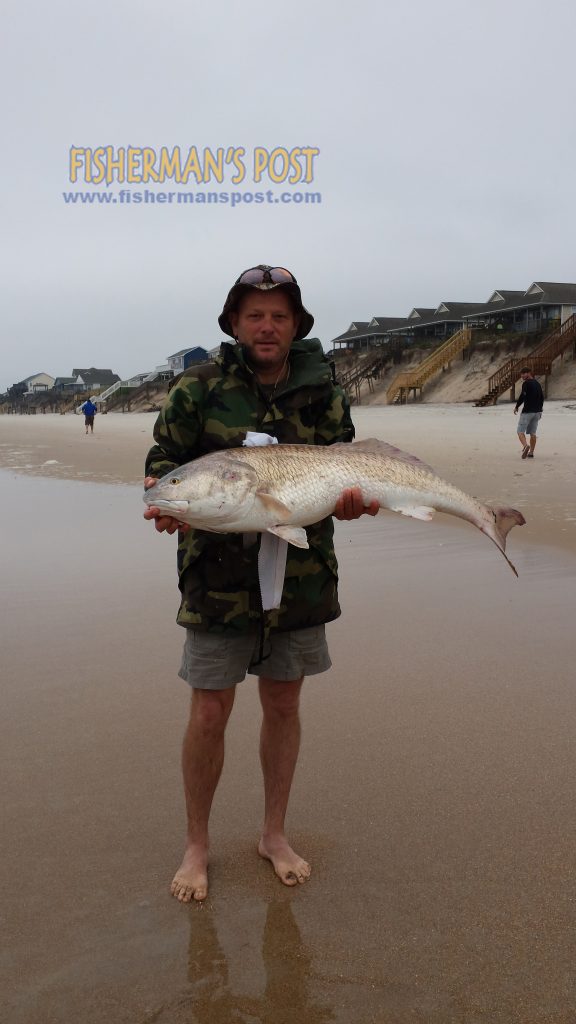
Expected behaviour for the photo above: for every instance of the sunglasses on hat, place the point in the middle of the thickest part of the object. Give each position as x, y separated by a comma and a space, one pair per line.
266, 276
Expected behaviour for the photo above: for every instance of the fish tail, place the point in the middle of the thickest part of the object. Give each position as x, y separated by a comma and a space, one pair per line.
499, 527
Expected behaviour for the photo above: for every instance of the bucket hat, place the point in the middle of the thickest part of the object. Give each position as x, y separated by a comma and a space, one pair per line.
264, 278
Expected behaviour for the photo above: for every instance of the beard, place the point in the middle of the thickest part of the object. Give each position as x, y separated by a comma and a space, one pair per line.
274, 360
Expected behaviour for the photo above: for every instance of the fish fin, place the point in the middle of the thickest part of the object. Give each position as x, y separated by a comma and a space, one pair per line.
373, 444
271, 570
293, 534
504, 520
271, 504
416, 511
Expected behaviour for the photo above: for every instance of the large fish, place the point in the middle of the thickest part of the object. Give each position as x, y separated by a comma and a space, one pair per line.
282, 488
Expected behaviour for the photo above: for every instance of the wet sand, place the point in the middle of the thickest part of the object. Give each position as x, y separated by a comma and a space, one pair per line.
476, 449
435, 791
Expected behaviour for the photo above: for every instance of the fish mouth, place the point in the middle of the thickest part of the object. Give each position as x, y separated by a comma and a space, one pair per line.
173, 508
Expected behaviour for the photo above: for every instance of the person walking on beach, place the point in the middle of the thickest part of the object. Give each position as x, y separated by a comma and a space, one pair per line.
275, 382
532, 401
89, 410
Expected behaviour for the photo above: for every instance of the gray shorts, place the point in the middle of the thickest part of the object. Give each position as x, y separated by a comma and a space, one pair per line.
214, 662
528, 422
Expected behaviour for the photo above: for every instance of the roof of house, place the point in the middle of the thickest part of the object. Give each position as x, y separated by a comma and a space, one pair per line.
445, 312
33, 376
184, 351
386, 323
552, 291
95, 376
357, 329
501, 295
457, 308
540, 293
421, 313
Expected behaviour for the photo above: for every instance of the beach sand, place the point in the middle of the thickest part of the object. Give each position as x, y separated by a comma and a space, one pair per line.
435, 791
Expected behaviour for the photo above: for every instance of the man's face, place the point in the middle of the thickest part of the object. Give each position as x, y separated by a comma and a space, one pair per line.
265, 324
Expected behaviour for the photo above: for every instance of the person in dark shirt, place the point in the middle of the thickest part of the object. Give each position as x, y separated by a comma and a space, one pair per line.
532, 401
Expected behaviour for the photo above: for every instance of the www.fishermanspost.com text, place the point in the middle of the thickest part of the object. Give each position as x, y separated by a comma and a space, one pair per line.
149, 197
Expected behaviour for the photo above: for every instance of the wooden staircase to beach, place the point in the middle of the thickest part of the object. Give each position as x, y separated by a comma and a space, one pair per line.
414, 380
539, 360
368, 370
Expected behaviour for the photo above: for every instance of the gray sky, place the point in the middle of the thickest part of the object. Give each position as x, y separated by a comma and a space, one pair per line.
447, 157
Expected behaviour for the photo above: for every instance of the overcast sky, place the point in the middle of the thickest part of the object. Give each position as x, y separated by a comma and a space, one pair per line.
447, 162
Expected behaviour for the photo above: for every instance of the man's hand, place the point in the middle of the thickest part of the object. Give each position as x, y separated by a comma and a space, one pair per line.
163, 523
350, 505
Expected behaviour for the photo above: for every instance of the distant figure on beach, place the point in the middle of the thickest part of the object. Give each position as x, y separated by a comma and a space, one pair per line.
89, 410
270, 381
532, 402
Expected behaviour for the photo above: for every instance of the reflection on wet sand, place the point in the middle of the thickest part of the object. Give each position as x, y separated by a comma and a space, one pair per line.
286, 996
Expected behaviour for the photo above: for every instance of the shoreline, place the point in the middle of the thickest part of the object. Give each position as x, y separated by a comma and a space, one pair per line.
475, 449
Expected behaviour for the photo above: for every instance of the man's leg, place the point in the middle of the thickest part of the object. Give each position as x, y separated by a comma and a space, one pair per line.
522, 439
532, 443
202, 760
279, 747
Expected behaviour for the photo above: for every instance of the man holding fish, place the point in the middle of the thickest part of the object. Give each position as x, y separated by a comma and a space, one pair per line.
270, 382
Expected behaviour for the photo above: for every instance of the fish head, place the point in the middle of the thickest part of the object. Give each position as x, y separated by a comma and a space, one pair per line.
205, 492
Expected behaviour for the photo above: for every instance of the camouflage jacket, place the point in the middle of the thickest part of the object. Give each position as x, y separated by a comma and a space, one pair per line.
210, 408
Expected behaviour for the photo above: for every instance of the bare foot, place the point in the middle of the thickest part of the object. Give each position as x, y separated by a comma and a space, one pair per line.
289, 867
191, 880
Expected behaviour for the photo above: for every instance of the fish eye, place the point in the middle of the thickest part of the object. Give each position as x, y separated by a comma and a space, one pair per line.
174, 480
